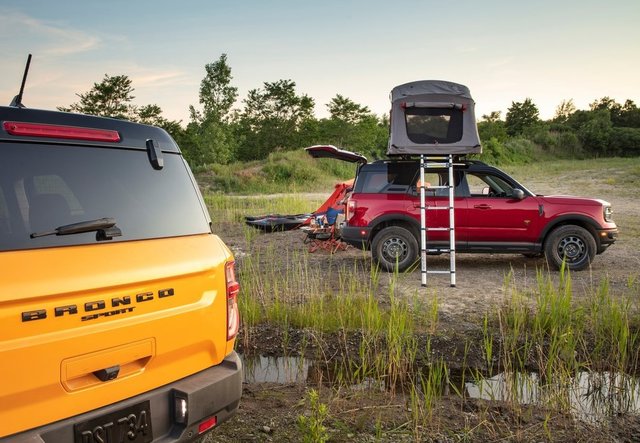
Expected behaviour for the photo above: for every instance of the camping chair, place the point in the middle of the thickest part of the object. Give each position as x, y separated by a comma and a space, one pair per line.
321, 233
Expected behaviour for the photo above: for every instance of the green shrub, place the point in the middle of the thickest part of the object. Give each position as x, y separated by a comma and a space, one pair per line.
625, 141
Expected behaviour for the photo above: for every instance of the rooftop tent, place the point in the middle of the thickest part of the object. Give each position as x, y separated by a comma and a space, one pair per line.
433, 117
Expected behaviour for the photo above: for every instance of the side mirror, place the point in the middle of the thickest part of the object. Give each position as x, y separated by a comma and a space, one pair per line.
518, 194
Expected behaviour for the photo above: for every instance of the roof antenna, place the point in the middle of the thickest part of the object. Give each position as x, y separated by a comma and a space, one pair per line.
17, 100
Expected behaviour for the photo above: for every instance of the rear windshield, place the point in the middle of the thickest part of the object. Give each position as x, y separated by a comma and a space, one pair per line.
433, 125
43, 187
387, 178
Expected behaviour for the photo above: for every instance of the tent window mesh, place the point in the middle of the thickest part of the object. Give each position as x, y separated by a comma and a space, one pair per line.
433, 125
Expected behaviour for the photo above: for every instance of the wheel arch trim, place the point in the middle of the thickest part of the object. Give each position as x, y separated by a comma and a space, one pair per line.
395, 219
571, 219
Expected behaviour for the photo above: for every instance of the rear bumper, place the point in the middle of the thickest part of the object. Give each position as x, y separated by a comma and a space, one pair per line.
356, 236
215, 392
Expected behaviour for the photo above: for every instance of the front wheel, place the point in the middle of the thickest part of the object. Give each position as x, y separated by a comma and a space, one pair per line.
572, 244
394, 248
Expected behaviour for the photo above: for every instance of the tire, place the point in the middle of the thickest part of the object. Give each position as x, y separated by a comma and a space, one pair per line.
394, 248
573, 244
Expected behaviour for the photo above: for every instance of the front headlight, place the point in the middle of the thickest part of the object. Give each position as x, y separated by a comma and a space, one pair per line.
608, 213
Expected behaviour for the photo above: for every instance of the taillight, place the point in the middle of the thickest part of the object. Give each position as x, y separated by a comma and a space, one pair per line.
60, 131
233, 288
351, 209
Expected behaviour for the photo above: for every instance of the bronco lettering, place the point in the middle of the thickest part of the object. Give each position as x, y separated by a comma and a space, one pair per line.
98, 305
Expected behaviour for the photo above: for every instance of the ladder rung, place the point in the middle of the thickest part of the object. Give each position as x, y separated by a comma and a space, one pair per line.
437, 162
441, 161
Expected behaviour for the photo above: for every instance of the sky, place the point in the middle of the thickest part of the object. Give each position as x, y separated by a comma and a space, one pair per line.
504, 51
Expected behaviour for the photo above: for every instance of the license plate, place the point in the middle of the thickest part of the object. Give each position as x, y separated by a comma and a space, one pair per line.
129, 425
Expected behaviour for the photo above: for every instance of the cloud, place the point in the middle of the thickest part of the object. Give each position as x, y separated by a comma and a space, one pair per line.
155, 79
50, 39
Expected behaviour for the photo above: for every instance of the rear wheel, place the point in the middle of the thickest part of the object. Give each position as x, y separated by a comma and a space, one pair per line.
573, 244
394, 248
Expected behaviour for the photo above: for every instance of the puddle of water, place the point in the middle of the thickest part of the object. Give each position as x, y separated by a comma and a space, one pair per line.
282, 370
288, 370
589, 396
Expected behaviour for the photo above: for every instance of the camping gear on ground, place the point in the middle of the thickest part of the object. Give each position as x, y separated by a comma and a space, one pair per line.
322, 232
277, 222
433, 117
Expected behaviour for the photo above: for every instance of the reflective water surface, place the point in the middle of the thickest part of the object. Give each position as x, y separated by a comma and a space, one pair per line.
588, 396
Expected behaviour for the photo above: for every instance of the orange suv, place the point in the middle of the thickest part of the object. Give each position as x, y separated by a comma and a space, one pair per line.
119, 304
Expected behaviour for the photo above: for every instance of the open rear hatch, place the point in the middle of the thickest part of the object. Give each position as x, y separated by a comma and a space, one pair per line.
330, 151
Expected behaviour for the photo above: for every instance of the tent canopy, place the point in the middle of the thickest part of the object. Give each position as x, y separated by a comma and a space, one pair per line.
433, 117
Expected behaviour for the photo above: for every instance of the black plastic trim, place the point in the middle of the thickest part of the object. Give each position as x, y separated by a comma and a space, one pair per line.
213, 391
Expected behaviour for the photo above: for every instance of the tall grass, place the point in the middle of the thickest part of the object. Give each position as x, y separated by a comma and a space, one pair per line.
225, 209
384, 336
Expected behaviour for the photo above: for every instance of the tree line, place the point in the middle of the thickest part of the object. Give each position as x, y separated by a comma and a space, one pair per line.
277, 117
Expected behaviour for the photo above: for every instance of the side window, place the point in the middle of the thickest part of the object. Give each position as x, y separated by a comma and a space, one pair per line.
389, 178
430, 179
488, 185
441, 178
374, 182
477, 186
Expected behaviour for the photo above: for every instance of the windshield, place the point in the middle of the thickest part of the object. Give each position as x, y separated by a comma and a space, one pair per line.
43, 187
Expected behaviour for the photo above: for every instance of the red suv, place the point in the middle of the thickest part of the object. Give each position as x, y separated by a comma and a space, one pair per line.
493, 214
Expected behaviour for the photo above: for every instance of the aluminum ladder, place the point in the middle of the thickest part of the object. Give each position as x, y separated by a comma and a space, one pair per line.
427, 163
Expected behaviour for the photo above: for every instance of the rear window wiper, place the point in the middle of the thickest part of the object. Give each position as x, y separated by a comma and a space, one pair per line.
105, 227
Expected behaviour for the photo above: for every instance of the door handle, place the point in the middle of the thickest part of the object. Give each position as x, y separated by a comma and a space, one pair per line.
482, 206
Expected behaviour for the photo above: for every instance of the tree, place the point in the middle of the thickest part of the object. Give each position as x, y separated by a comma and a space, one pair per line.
520, 116
109, 98
208, 142
344, 109
152, 115
352, 126
216, 93
209, 136
112, 97
492, 127
272, 118
614, 108
595, 132
625, 141
564, 110
630, 115
493, 117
